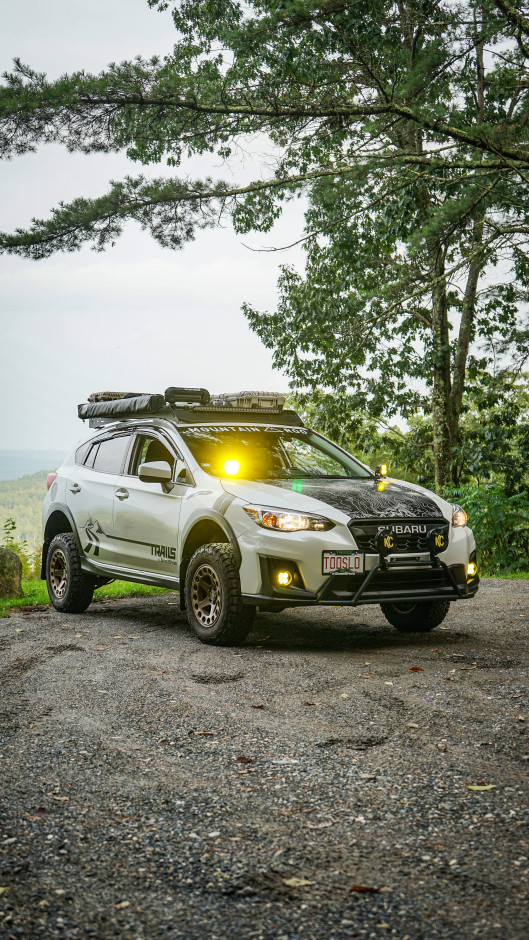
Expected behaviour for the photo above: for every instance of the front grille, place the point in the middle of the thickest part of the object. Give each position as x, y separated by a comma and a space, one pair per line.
403, 543
406, 543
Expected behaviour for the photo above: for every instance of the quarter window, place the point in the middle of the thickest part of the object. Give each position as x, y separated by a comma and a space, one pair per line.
110, 454
89, 462
82, 452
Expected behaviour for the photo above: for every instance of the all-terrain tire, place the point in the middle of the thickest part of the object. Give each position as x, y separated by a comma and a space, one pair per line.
416, 616
213, 597
69, 587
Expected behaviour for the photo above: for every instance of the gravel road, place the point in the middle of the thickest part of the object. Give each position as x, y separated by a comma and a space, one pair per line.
311, 784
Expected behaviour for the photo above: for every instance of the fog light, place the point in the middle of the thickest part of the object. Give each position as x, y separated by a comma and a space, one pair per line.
472, 569
284, 578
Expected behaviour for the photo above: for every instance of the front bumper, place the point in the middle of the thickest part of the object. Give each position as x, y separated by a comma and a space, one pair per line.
385, 582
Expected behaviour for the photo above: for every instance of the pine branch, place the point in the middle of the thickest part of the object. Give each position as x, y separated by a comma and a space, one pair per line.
88, 113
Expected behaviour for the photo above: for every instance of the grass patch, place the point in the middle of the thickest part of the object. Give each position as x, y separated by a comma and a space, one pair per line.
35, 592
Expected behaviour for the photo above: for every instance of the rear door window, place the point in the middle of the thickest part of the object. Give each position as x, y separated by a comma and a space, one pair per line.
110, 454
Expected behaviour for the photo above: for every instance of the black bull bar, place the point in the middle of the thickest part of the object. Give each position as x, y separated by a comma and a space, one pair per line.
437, 542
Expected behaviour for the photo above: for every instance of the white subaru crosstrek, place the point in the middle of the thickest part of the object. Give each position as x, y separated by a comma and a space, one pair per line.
236, 503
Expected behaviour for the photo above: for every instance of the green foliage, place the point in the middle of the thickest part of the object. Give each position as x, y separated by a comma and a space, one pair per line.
500, 524
494, 432
30, 559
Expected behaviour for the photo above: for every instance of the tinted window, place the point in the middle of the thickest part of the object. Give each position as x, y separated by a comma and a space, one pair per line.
110, 454
149, 449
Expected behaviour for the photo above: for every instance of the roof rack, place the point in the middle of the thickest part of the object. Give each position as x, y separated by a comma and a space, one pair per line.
186, 405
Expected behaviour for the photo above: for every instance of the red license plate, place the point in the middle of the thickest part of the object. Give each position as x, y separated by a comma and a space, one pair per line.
342, 563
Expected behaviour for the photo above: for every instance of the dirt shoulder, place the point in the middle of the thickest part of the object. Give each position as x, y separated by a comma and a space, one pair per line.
313, 783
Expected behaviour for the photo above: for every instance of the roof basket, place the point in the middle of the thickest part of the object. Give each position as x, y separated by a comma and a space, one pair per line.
254, 400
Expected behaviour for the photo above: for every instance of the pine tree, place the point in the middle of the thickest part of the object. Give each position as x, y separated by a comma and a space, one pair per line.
404, 123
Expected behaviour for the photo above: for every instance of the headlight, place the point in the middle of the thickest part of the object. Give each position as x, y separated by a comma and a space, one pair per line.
285, 521
459, 516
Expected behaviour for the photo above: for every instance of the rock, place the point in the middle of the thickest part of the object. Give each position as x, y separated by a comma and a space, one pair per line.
10, 574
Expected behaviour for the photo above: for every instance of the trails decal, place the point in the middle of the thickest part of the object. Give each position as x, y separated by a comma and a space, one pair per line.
164, 551
94, 529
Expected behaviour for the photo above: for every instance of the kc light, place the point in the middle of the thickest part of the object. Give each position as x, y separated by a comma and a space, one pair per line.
231, 468
284, 521
459, 516
472, 569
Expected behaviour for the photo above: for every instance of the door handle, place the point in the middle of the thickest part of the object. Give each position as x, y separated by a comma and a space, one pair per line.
75, 488
122, 493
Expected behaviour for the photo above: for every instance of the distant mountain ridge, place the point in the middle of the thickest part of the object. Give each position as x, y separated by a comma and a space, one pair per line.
21, 500
17, 463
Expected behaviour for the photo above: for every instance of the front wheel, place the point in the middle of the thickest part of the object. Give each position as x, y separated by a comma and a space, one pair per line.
213, 597
415, 616
69, 587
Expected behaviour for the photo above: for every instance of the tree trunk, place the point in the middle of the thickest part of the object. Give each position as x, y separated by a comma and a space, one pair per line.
465, 330
441, 383
471, 287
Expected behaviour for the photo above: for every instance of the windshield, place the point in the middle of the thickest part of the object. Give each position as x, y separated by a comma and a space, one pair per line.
269, 453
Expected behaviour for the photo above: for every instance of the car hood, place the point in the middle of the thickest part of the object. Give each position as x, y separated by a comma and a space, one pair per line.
358, 499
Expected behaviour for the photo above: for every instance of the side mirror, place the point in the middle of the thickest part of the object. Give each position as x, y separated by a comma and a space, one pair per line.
156, 471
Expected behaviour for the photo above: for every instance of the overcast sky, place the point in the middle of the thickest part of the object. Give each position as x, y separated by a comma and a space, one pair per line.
137, 317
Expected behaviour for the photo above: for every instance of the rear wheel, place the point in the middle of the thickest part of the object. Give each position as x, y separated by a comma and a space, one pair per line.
416, 616
69, 587
213, 597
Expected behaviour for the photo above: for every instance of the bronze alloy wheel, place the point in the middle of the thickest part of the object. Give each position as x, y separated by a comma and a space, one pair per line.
59, 573
70, 588
206, 595
213, 596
